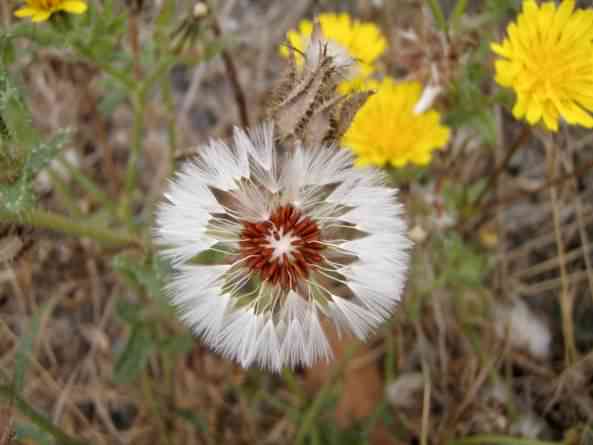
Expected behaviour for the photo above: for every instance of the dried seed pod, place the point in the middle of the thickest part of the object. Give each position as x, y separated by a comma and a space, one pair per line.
306, 105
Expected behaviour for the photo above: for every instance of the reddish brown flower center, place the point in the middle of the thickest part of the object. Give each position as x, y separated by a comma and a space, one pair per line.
282, 249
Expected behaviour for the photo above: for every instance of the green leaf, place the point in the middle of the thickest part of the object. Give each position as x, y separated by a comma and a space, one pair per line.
189, 415
113, 97
43, 153
26, 431
23, 153
177, 344
7, 51
148, 274
133, 358
129, 312
15, 115
463, 265
17, 197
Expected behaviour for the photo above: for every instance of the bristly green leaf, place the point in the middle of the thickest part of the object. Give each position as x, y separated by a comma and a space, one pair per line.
133, 358
463, 265
7, 51
42, 153
149, 275
17, 197
16, 119
23, 153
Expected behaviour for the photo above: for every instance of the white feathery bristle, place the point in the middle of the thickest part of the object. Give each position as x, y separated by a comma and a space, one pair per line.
527, 331
318, 47
429, 94
330, 238
528, 425
405, 389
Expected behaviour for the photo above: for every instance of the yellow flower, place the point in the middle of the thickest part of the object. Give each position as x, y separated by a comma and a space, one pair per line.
548, 61
41, 10
361, 41
390, 128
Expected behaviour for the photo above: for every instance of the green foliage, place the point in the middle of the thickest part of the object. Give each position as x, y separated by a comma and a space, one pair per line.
23, 152
7, 51
148, 274
471, 104
145, 318
192, 417
461, 198
501, 9
98, 35
460, 264
29, 432
133, 357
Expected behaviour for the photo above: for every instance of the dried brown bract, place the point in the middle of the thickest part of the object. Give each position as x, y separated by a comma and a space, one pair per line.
14, 243
306, 105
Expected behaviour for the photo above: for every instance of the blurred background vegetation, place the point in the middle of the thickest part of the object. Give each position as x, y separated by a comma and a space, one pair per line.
492, 343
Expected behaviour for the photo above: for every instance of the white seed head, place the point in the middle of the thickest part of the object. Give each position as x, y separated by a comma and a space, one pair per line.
266, 243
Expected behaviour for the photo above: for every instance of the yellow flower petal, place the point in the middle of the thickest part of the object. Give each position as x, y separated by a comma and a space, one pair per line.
388, 130
25, 12
547, 59
41, 16
73, 6
41, 10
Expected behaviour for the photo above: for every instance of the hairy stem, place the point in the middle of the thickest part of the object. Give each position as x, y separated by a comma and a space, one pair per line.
135, 152
44, 219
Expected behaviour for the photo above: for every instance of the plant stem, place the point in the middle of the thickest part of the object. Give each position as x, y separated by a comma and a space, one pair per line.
171, 130
89, 186
44, 219
325, 392
437, 12
515, 196
136, 149
231, 70
566, 297
493, 178
7, 392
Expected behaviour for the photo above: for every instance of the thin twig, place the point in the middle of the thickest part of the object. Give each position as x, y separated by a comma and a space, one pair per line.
231, 70
493, 178
133, 37
519, 194
566, 297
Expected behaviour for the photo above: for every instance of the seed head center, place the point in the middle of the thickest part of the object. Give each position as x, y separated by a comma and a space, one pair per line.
283, 249
282, 244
